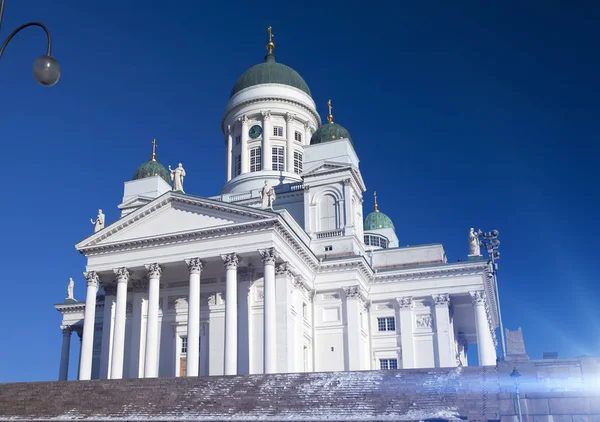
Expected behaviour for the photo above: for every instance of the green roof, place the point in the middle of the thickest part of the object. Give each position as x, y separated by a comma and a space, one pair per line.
270, 72
329, 132
378, 220
152, 168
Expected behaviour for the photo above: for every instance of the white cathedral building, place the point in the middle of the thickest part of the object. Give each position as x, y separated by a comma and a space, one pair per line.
278, 273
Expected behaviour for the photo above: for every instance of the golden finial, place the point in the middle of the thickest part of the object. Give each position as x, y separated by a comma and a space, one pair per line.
154, 150
330, 117
375, 207
270, 44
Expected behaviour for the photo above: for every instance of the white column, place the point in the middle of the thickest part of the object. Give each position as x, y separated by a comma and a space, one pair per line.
152, 327
307, 133
136, 357
289, 150
87, 343
108, 317
270, 315
244, 146
118, 351
444, 338
348, 217
63, 373
230, 262
485, 344
354, 303
405, 311
229, 152
193, 318
266, 141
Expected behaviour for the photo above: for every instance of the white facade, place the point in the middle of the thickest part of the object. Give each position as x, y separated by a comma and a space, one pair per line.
292, 289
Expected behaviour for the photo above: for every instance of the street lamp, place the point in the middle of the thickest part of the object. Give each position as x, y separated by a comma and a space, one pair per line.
515, 375
45, 68
491, 243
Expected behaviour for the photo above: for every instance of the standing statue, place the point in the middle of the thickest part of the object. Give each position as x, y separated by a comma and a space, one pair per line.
70, 289
267, 194
99, 223
177, 176
474, 247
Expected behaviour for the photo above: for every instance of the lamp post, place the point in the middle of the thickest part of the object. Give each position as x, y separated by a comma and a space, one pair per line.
491, 243
46, 69
515, 376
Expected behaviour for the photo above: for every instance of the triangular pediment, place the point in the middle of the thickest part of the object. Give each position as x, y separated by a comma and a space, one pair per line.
171, 214
325, 167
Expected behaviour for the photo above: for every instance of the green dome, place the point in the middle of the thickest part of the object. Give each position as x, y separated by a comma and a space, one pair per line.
152, 168
377, 220
329, 132
270, 72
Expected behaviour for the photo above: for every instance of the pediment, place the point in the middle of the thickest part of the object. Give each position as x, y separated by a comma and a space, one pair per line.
171, 214
325, 167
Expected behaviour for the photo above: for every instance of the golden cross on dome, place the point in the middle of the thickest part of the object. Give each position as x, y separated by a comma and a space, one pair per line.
330, 117
154, 150
375, 207
270, 30
270, 44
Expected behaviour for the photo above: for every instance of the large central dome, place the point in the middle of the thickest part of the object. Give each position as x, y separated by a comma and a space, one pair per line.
270, 72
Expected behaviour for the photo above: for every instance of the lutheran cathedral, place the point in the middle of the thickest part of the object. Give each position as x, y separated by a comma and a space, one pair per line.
280, 273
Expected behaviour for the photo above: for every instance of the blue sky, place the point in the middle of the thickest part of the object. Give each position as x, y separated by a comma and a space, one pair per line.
464, 114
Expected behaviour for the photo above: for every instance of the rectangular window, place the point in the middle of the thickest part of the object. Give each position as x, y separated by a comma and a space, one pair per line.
278, 158
255, 159
386, 324
388, 363
298, 136
277, 131
328, 248
238, 165
238, 139
297, 162
183, 345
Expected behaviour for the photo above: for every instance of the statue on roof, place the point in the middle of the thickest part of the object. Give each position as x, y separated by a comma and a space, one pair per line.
474, 246
177, 176
70, 289
267, 194
99, 222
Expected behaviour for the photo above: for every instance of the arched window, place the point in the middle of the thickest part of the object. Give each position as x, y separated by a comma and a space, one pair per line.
328, 213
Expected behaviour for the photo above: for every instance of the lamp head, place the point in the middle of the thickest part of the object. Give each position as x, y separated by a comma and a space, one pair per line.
46, 70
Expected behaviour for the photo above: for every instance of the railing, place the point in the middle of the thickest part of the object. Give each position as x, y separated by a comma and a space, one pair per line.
330, 233
240, 197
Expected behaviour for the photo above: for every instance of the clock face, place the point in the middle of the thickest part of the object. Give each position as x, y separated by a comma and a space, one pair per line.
255, 131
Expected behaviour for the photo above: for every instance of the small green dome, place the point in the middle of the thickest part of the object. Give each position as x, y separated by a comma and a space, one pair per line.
378, 220
329, 132
270, 72
152, 168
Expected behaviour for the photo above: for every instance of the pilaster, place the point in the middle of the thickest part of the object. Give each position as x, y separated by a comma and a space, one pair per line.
244, 146
356, 304
266, 143
229, 143
443, 334
405, 313
289, 150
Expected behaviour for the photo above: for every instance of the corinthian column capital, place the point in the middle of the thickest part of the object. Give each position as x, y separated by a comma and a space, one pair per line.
154, 270
230, 260
91, 278
268, 255
478, 297
122, 275
195, 265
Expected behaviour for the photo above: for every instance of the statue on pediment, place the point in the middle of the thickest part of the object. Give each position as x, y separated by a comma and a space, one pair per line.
70, 287
177, 176
474, 247
267, 194
99, 222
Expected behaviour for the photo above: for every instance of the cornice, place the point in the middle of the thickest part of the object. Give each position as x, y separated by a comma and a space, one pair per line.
270, 99
352, 263
70, 308
332, 169
179, 237
429, 272
163, 201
